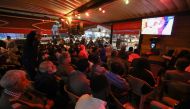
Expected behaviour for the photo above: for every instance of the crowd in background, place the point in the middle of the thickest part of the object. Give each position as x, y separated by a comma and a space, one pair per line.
91, 71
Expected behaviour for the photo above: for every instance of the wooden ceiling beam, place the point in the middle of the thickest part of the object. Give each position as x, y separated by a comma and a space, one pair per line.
90, 5
21, 13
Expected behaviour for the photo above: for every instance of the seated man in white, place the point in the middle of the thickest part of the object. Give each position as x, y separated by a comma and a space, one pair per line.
100, 90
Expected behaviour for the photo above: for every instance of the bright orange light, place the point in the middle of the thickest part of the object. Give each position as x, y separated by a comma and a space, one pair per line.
62, 20
103, 11
69, 19
100, 9
79, 17
87, 14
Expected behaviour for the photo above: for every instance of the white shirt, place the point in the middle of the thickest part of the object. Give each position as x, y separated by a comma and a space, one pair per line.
55, 29
89, 102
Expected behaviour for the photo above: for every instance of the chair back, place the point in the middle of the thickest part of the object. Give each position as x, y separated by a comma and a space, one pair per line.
74, 98
158, 105
179, 88
137, 84
119, 104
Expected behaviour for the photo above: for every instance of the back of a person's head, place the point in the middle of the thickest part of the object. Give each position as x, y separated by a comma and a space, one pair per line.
170, 52
2, 44
82, 47
114, 53
187, 56
141, 63
82, 64
64, 58
182, 63
123, 48
123, 55
117, 68
15, 80
183, 53
101, 46
136, 51
99, 84
130, 49
31, 36
94, 49
94, 58
47, 67
8, 37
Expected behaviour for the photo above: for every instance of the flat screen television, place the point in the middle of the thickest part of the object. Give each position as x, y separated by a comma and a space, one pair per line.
157, 26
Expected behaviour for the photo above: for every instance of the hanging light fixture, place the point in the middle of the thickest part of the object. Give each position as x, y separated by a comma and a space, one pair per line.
87, 14
69, 19
100, 9
62, 20
126, 1
78, 17
103, 11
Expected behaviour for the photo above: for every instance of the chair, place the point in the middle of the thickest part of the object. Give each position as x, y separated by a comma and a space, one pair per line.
179, 88
170, 101
74, 98
126, 105
158, 105
136, 85
116, 101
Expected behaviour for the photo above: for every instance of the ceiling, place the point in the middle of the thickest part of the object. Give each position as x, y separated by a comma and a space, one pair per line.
40, 14
52, 7
118, 10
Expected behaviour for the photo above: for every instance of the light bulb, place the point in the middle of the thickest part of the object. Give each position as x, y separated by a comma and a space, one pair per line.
87, 14
126, 1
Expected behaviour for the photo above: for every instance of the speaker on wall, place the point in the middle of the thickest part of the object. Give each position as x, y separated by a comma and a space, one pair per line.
154, 40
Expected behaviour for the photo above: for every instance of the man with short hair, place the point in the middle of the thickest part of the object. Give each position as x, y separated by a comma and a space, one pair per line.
100, 90
46, 81
78, 82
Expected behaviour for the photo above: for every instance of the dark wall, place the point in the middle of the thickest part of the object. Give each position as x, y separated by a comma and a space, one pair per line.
180, 38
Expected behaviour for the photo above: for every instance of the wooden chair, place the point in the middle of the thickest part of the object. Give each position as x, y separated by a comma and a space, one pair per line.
136, 87
158, 105
119, 105
170, 101
74, 98
171, 88
126, 105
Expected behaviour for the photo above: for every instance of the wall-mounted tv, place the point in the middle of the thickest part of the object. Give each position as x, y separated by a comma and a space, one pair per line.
157, 25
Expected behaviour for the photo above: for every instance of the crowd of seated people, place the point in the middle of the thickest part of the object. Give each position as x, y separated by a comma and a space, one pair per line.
86, 70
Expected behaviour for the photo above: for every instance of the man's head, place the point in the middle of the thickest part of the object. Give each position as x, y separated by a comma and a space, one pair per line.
64, 58
117, 68
130, 49
33, 36
182, 63
99, 85
8, 37
15, 80
47, 67
83, 65
82, 47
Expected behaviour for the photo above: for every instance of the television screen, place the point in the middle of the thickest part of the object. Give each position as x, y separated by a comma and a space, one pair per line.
157, 25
